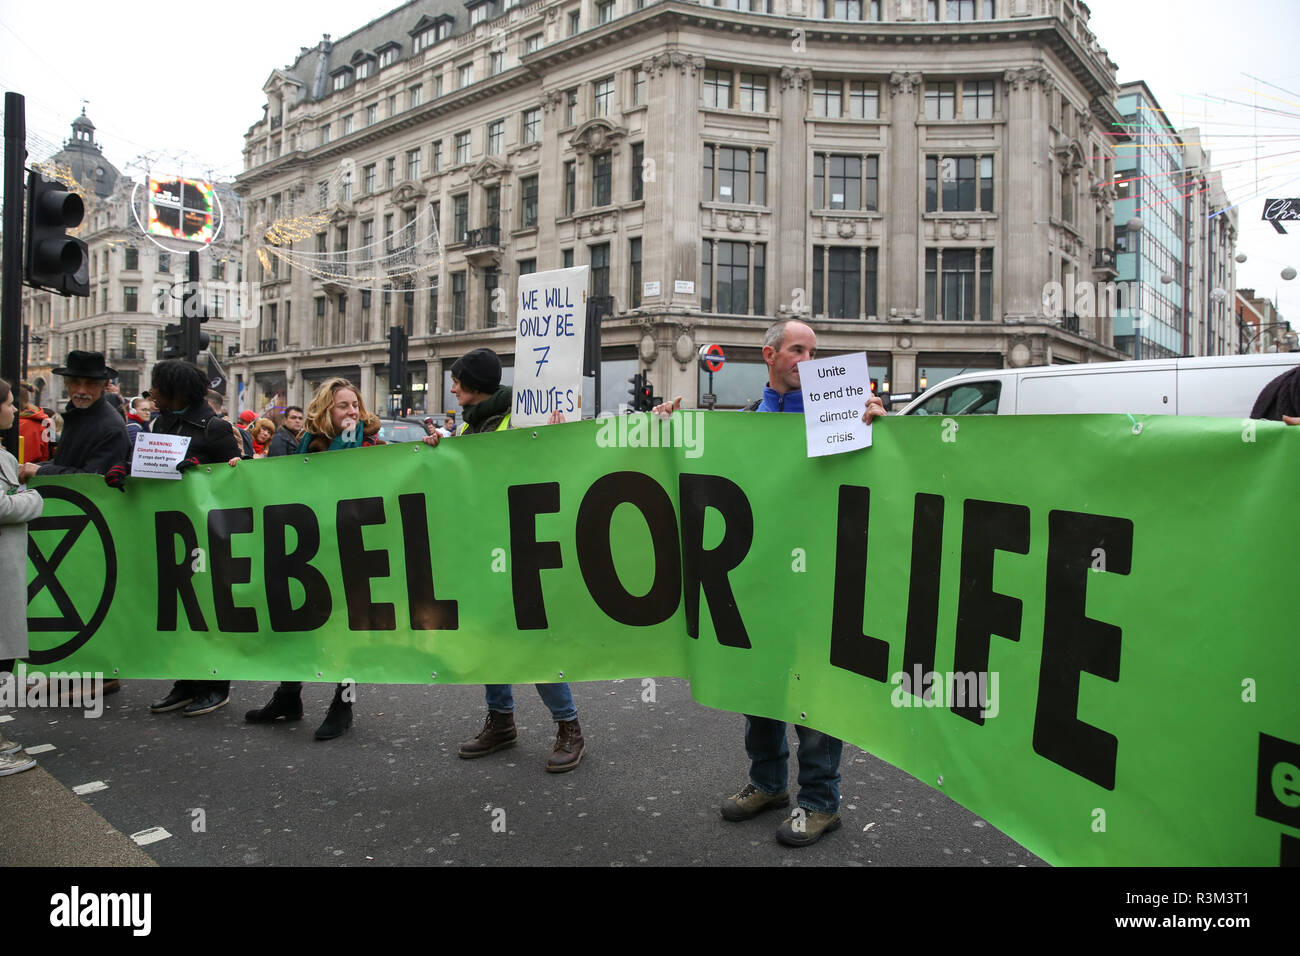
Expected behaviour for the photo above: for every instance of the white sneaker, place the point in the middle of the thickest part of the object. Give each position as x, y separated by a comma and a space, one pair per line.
8, 746
15, 763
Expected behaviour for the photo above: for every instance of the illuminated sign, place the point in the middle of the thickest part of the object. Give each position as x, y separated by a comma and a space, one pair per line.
182, 209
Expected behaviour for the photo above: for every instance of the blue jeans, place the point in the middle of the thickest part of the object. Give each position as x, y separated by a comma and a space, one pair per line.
819, 762
557, 697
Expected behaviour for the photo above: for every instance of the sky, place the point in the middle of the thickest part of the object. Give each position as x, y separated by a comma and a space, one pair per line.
148, 97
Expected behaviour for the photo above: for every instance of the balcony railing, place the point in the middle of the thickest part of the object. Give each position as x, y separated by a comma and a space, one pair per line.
126, 354
1070, 323
1104, 258
485, 236
267, 345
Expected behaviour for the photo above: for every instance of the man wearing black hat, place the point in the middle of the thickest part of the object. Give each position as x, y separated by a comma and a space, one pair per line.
476, 383
94, 434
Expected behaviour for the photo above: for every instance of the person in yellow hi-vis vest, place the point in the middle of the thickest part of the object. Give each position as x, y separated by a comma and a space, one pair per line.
476, 383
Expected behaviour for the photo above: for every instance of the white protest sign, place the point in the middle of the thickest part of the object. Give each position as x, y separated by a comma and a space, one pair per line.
835, 393
550, 330
156, 456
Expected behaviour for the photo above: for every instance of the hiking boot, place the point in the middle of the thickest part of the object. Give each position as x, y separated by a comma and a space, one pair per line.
805, 827
206, 702
15, 763
569, 747
283, 703
750, 802
338, 719
181, 695
498, 733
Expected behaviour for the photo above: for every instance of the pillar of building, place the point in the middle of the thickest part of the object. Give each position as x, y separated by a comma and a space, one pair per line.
902, 222
1025, 191
790, 219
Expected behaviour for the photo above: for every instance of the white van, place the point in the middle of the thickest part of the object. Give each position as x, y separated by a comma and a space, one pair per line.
1220, 386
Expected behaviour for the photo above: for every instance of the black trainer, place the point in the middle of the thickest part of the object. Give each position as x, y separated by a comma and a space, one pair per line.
182, 693
206, 702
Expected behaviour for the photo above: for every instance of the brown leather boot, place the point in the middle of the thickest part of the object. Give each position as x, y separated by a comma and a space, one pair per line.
498, 733
569, 746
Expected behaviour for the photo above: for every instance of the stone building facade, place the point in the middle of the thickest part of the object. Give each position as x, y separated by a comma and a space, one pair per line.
908, 176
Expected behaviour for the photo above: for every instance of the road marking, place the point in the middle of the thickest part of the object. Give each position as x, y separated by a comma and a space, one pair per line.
152, 835
93, 787
40, 749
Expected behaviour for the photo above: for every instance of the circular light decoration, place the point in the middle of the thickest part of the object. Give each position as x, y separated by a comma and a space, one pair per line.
1240, 257
1135, 224
1288, 273
1218, 295
177, 208
1166, 279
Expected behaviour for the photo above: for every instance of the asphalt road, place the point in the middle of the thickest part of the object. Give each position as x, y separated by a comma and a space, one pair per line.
392, 792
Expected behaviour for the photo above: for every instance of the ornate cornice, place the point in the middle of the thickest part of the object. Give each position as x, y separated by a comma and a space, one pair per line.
489, 170
596, 135
795, 77
684, 63
1027, 76
903, 82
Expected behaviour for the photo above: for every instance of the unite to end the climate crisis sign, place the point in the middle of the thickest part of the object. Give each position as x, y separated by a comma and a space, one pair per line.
1080, 629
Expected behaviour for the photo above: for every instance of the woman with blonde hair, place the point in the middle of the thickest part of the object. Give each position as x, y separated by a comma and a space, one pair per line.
336, 419
17, 507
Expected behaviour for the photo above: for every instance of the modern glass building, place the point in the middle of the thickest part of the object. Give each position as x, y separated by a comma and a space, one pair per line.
1151, 317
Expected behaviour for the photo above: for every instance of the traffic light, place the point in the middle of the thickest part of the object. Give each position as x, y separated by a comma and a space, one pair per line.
55, 260
194, 340
634, 392
647, 401
175, 342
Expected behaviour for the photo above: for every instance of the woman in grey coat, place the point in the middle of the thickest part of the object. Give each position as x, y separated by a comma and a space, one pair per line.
16, 509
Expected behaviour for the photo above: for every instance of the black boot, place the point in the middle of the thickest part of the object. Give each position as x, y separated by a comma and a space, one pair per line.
286, 703
338, 719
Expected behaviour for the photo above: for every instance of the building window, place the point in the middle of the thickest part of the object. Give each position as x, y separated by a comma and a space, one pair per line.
462, 148
603, 97
531, 131
604, 12
844, 282
387, 57
575, 23
325, 134
532, 43
365, 315
423, 40
959, 184
602, 165
570, 187
492, 204
130, 298
717, 89
340, 81
851, 10
437, 86
496, 137
845, 181
735, 174
753, 92
347, 124
392, 104
412, 164
433, 305
479, 13
460, 217
570, 106
862, 98
566, 258
957, 279
975, 97
527, 266
528, 194
491, 279
372, 114
164, 262
827, 97
638, 171
435, 156
364, 69
390, 172
466, 71
132, 258
318, 327
345, 188
368, 179
496, 63
408, 307
732, 278
599, 269
458, 301
340, 319
415, 96
634, 272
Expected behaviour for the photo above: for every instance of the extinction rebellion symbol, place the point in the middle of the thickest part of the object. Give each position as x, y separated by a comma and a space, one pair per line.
68, 585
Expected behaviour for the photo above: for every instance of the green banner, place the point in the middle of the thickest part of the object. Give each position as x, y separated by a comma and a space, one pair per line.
1083, 629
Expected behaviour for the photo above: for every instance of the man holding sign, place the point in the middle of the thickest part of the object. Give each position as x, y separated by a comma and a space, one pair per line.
476, 383
785, 345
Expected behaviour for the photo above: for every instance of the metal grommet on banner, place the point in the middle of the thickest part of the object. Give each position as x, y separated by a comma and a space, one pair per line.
561, 673
534, 434
318, 674
1137, 425
941, 780
209, 469
434, 675
803, 715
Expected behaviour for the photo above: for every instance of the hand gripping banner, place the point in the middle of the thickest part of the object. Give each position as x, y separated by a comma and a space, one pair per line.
1081, 628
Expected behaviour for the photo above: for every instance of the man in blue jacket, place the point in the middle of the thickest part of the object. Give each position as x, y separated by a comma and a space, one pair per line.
785, 345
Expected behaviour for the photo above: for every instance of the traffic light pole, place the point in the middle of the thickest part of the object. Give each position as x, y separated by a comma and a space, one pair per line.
11, 263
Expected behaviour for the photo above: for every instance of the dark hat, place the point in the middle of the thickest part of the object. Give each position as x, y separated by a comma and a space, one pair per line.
86, 365
479, 370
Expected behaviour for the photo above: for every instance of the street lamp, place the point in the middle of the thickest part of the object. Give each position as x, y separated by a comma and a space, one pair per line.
1287, 337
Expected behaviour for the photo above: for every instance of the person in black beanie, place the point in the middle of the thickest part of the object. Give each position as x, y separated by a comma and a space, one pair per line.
476, 383
1279, 400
